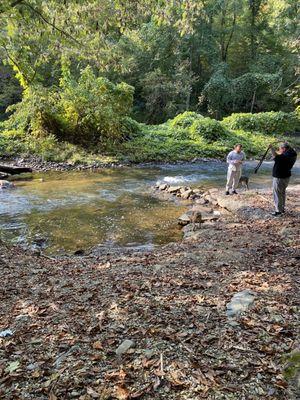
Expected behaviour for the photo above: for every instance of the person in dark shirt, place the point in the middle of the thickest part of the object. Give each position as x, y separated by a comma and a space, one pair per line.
284, 160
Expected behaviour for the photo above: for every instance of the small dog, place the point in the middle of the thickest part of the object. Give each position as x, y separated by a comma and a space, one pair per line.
244, 180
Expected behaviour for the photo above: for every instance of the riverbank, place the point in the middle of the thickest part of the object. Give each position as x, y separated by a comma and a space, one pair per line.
184, 138
39, 165
68, 316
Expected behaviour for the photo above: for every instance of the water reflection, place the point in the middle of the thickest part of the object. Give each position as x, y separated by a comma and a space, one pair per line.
68, 211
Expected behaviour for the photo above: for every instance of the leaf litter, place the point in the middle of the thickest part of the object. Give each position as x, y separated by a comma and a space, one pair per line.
69, 316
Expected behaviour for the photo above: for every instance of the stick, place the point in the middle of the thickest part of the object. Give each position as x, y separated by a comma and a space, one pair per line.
261, 160
161, 364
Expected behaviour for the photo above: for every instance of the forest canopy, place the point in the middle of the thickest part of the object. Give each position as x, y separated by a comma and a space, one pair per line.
213, 57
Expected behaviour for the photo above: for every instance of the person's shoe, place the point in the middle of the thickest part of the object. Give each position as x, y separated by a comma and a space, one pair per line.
227, 193
276, 213
234, 192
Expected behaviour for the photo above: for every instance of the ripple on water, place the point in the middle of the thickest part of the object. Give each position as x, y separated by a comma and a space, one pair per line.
113, 207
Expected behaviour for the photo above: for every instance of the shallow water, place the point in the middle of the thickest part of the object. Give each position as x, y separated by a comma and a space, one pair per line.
68, 211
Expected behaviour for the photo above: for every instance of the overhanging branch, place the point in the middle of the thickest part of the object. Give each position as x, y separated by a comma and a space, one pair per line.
43, 18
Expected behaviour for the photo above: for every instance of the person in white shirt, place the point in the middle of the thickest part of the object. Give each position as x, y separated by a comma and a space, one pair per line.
235, 161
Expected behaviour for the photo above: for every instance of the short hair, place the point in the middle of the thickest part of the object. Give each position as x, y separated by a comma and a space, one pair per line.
285, 145
238, 144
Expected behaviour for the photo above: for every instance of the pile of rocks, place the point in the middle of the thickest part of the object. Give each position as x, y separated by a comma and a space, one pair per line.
203, 204
184, 192
188, 193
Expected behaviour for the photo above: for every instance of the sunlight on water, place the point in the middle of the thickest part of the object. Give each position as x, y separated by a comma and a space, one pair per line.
66, 211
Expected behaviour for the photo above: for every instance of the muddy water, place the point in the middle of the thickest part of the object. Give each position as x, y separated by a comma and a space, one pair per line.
66, 211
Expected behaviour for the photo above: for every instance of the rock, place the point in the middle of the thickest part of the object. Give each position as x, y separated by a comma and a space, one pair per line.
185, 195
173, 189
209, 217
239, 303
163, 186
5, 333
184, 189
201, 201
184, 219
231, 203
124, 347
202, 209
191, 216
197, 191
6, 184
148, 353
217, 213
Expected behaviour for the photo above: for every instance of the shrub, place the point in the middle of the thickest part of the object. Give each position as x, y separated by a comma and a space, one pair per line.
129, 128
86, 111
270, 123
185, 120
207, 128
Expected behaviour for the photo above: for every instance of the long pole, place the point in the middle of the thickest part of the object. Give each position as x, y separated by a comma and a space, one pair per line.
261, 160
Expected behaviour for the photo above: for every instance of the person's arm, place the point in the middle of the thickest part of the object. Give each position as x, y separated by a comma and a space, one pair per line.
231, 160
273, 151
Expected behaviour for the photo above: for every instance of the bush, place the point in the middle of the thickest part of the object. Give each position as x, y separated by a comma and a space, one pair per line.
207, 128
129, 128
185, 120
270, 123
86, 111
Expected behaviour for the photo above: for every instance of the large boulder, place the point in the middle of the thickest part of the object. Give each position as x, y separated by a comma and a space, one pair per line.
231, 203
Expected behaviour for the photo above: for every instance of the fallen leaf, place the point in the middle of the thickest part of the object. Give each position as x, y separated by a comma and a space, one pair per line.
97, 345
122, 393
12, 366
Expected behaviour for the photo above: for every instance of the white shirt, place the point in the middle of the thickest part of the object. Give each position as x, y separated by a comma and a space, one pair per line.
233, 159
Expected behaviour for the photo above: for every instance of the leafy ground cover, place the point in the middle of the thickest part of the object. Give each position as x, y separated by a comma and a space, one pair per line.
165, 142
69, 315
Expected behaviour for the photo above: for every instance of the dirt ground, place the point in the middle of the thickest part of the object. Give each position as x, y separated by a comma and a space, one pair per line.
69, 315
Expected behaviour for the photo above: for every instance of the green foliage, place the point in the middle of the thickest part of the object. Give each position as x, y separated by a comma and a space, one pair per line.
171, 52
11, 143
86, 111
292, 365
163, 143
207, 128
185, 120
93, 108
10, 90
272, 123
244, 93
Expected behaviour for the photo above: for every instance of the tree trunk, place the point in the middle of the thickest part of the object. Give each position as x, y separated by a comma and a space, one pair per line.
253, 101
14, 170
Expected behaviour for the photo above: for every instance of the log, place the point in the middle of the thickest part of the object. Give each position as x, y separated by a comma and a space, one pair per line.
14, 170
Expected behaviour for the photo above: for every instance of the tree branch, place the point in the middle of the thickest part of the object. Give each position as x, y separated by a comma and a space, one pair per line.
50, 23
16, 65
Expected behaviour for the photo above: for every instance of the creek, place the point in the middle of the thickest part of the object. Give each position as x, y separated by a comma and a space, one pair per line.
62, 212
